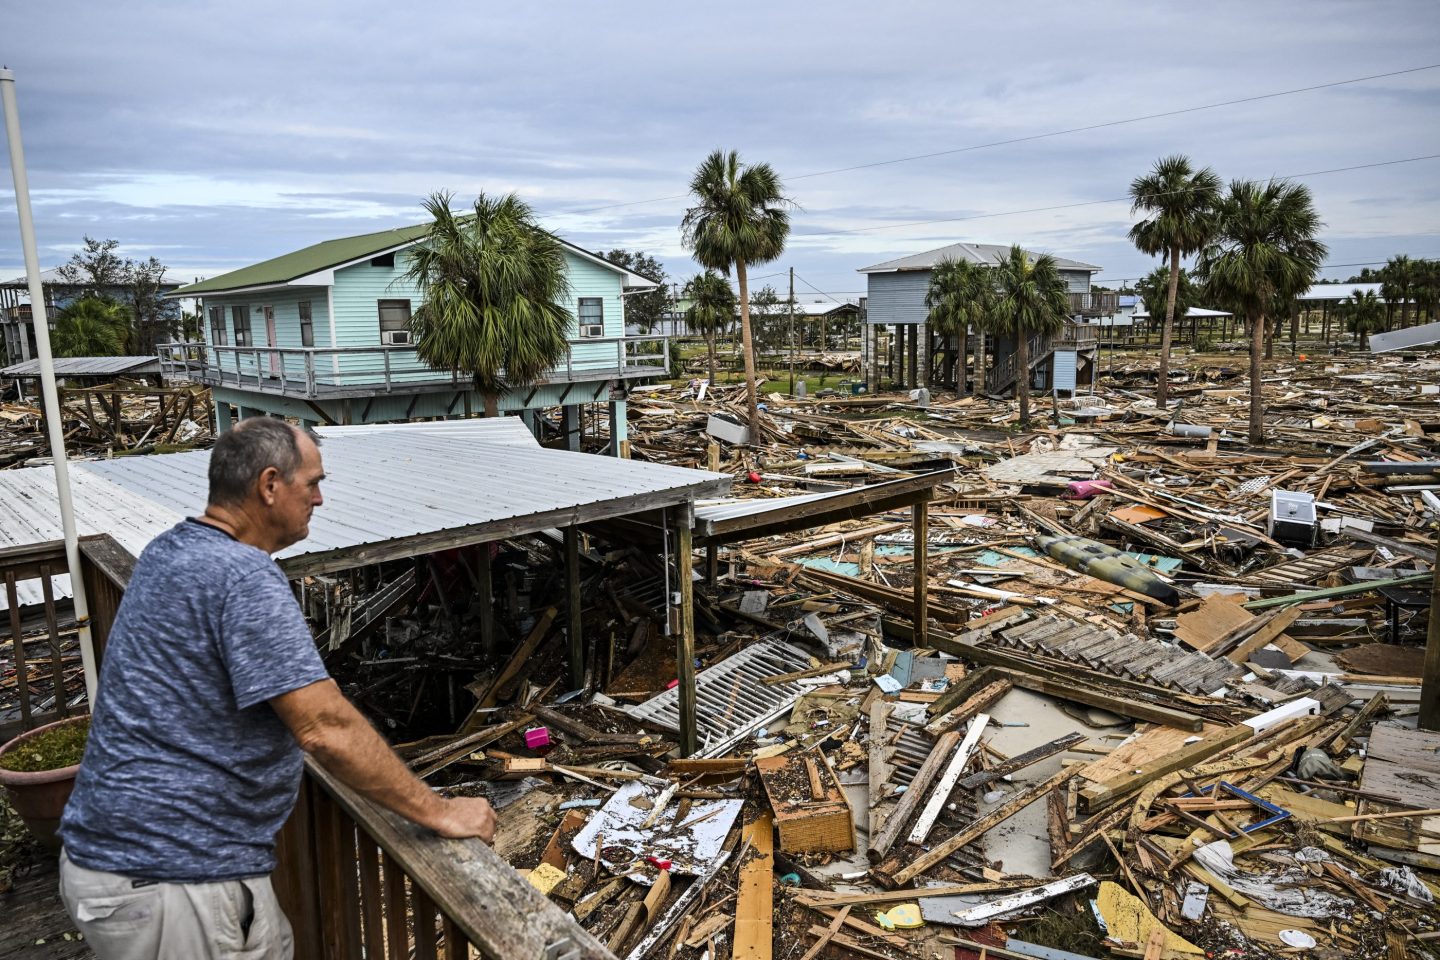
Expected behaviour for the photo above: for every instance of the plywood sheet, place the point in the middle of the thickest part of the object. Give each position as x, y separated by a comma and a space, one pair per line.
1403, 763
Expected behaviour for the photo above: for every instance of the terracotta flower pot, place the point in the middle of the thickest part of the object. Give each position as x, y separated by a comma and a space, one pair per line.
39, 797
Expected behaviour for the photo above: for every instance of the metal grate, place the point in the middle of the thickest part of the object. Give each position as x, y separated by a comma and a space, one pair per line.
731, 699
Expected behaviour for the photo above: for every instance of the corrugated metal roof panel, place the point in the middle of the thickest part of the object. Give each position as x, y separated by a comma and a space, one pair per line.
86, 367
382, 483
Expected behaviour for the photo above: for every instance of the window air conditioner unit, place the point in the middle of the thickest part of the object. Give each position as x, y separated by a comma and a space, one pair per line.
395, 338
592, 330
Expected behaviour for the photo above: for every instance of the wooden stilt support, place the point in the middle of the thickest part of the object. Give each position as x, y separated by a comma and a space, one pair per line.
572, 603
685, 641
487, 601
920, 517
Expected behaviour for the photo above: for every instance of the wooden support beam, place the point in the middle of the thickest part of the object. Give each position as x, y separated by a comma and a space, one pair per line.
685, 641
947, 780
880, 843
572, 607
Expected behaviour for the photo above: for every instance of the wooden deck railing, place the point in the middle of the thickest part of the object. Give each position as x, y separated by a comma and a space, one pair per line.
359, 881
43, 674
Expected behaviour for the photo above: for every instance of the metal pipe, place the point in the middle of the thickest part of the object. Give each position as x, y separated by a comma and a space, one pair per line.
54, 427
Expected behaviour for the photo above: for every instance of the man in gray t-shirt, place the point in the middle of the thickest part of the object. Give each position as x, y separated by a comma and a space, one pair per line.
210, 690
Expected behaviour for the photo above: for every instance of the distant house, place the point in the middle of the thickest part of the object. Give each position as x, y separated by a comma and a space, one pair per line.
17, 330
321, 334
900, 349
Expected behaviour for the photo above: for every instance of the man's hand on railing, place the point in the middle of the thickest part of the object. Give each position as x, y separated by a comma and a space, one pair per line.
328, 727
467, 817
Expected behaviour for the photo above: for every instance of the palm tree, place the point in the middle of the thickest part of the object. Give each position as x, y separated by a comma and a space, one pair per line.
1364, 312
712, 305
1155, 288
1264, 246
1030, 299
1397, 281
1180, 203
1426, 289
739, 219
962, 295
495, 291
91, 327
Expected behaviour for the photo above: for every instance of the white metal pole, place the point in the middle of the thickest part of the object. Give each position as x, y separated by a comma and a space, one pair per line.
47, 381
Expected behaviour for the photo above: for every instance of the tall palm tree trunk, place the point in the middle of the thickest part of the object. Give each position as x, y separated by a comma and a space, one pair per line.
752, 403
710, 343
1258, 325
979, 388
1162, 384
1022, 376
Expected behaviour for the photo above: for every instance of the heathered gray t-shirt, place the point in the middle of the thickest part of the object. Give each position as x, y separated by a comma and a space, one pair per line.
189, 773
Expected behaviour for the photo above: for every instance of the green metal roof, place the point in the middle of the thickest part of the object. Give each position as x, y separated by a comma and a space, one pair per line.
312, 259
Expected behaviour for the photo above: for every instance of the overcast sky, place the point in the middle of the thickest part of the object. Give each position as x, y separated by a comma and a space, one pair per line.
217, 135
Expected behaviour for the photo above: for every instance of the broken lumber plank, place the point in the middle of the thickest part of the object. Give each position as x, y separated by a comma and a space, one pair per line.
982, 700
977, 829
755, 900
660, 929
824, 939
1074, 684
831, 898
947, 780
881, 843
960, 691
1021, 761
517, 661
880, 766
1099, 794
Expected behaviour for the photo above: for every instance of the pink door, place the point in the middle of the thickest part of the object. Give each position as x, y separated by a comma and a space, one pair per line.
272, 359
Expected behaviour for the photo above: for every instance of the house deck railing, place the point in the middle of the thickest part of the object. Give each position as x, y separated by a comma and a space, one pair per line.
1097, 303
314, 373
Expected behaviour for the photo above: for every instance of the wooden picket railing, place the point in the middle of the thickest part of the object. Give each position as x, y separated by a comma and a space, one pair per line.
44, 676
358, 881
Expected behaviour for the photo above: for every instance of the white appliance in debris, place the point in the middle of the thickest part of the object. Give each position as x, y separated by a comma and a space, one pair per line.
1292, 518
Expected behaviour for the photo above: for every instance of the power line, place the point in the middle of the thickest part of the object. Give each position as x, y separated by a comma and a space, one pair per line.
1055, 133
817, 289
1092, 203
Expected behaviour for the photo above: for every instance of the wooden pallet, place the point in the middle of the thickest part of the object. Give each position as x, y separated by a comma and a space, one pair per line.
1306, 570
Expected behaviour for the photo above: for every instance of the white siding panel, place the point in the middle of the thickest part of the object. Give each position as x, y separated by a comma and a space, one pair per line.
898, 297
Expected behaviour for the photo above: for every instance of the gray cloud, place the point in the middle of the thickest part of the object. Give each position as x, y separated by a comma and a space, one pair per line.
218, 135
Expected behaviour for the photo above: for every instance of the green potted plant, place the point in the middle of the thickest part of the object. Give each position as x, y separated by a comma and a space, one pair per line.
38, 771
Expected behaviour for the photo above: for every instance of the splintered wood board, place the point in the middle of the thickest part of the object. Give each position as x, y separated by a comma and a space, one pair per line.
1150, 742
808, 824
1403, 763
1217, 615
755, 900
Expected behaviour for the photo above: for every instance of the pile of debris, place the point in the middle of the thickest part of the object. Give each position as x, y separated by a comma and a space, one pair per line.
110, 419
1164, 704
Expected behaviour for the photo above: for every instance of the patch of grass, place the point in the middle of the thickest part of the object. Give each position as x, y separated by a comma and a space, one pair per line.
1070, 929
51, 750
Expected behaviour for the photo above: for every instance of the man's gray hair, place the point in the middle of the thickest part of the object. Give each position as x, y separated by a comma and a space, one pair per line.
244, 452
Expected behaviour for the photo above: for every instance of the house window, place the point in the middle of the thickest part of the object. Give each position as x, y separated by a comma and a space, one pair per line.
240, 316
384, 260
307, 325
394, 321
592, 317
217, 327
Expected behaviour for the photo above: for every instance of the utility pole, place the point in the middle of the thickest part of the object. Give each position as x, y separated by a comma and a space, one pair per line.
791, 304
50, 395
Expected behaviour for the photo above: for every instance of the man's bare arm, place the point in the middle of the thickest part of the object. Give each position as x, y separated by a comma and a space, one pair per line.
329, 728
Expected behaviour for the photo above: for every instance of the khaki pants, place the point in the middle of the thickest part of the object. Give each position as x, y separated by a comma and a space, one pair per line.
234, 920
